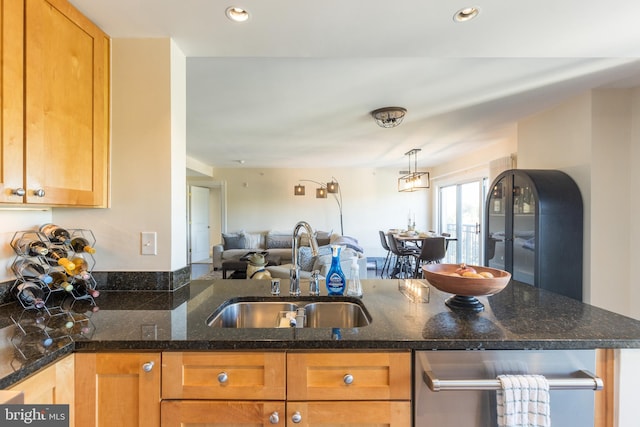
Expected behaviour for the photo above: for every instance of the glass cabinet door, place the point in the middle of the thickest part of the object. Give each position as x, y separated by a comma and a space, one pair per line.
497, 225
524, 230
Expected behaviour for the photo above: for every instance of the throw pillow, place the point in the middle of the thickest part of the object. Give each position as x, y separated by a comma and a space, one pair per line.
254, 240
305, 258
233, 241
279, 241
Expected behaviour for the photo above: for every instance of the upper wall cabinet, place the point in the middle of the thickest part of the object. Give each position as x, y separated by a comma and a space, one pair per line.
534, 229
61, 157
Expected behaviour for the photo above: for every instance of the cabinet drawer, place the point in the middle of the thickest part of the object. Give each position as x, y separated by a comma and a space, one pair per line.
223, 375
180, 413
323, 376
363, 413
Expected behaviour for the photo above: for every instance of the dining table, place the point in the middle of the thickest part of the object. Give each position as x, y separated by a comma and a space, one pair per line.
415, 240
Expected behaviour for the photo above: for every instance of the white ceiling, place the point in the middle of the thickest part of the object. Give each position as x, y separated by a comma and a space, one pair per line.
293, 86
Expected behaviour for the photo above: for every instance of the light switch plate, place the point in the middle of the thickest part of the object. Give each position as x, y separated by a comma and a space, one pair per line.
149, 243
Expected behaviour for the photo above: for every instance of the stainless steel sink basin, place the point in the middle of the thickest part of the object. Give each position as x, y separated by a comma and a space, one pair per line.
274, 313
335, 315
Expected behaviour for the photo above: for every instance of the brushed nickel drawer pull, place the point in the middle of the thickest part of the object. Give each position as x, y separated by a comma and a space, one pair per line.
348, 379
223, 377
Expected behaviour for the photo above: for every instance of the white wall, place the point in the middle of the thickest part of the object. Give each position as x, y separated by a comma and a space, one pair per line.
148, 180
263, 199
594, 138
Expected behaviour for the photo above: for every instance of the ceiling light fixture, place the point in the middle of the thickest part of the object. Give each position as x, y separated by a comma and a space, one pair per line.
466, 14
389, 117
413, 180
237, 14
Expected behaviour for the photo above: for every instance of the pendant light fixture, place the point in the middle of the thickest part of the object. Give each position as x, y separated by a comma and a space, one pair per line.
414, 180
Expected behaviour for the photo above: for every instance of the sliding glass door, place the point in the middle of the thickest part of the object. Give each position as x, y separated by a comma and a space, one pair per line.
460, 216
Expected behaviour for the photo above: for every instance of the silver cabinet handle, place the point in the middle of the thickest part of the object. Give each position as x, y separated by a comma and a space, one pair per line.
296, 417
274, 418
148, 367
39, 192
223, 377
348, 379
19, 192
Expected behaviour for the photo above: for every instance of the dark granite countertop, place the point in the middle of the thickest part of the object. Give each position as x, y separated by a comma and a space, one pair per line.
520, 317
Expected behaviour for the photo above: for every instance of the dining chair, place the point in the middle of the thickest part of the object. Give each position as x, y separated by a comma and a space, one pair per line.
388, 258
404, 258
433, 251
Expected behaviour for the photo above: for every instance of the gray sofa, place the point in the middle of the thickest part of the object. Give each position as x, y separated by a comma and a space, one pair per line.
279, 243
235, 245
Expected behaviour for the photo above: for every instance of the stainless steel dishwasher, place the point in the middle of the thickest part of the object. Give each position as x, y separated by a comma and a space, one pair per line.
457, 388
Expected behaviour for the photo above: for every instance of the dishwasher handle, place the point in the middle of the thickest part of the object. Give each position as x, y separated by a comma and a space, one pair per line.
581, 380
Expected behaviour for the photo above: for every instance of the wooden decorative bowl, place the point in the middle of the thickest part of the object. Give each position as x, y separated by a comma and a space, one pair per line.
465, 289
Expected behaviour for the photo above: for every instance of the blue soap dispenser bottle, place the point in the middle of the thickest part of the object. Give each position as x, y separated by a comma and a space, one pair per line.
336, 281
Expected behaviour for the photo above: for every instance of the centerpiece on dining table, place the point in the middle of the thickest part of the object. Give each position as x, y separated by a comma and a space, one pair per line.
466, 282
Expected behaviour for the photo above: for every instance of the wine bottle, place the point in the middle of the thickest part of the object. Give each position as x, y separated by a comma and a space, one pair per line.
83, 287
30, 294
31, 247
80, 244
58, 256
55, 234
60, 281
81, 268
30, 270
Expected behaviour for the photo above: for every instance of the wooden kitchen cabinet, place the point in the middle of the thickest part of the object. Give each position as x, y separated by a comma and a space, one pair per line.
51, 385
341, 388
234, 375
316, 388
12, 99
59, 155
117, 389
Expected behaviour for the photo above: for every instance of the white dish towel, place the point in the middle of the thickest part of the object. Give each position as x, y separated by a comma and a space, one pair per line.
523, 401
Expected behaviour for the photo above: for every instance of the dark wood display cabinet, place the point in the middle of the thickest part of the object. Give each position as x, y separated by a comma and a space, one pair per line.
535, 229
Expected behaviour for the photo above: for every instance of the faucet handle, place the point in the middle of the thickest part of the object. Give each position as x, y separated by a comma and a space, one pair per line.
294, 284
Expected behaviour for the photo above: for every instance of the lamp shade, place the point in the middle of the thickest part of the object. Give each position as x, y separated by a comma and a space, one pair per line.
332, 187
321, 193
298, 190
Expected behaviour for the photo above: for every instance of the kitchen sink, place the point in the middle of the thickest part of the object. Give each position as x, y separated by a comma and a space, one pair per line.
273, 313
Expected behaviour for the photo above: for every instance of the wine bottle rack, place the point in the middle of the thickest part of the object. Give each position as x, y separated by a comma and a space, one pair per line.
66, 314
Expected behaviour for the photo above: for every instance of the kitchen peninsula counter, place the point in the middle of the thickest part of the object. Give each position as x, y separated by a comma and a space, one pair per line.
520, 317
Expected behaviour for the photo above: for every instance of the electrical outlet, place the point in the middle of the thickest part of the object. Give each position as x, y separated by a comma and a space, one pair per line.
149, 243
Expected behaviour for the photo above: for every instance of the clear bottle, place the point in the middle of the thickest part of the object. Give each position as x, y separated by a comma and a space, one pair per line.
30, 271
80, 244
55, 233
58, 256
314, 283
30, 294
336, 280
354, 286
31, 247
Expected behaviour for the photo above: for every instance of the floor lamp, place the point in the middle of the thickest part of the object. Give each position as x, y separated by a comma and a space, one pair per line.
332, 188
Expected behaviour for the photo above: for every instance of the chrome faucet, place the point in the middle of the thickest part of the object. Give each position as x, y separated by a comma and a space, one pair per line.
294, 273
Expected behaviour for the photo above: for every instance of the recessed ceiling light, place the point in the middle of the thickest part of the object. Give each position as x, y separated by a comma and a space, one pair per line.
466, 14
237, 14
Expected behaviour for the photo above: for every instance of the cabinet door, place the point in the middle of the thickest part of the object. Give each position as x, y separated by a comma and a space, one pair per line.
352, 376
223, 375
66, 106
11, 99
361, 414
204, 413
117, 389
51, 385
